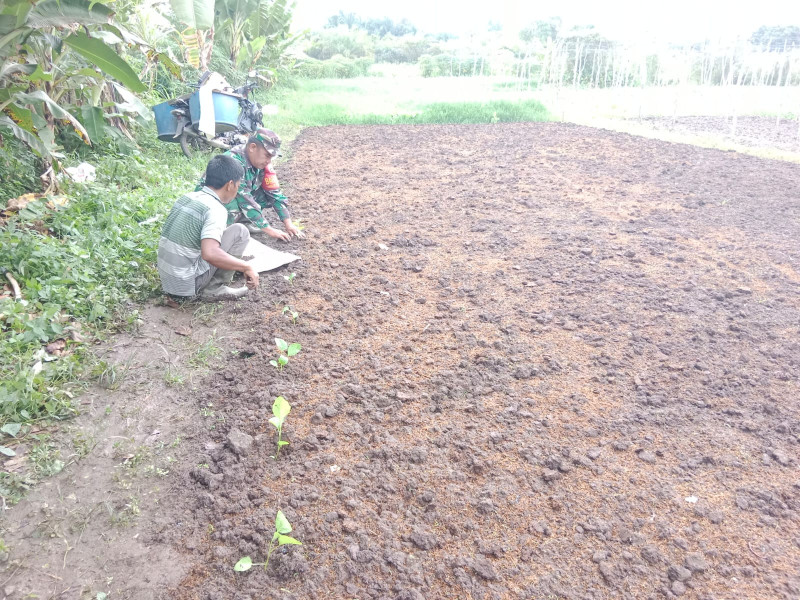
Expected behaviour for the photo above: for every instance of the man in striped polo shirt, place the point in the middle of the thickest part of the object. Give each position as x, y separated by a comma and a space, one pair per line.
197, 253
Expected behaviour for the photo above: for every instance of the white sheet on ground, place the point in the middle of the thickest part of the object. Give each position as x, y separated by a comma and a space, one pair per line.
266, 258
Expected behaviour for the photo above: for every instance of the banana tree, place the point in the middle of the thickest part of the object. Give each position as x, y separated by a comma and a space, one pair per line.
268, 37
46, 57
232, 23
198, 35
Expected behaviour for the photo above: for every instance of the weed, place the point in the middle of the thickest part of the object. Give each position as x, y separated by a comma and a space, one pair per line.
45, 459
205, 312
279, 538
13, 487
281, 409
289, 350
293, 315
205, 352
173, 377
82, 444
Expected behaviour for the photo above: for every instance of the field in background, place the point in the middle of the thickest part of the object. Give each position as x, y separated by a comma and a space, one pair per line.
398, 94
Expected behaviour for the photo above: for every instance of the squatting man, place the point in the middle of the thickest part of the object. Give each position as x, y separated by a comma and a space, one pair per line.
198, 252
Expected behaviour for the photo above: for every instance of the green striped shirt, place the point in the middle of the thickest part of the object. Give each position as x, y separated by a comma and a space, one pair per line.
194, 217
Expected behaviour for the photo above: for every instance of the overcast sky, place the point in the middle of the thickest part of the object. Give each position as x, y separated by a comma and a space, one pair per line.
636, 20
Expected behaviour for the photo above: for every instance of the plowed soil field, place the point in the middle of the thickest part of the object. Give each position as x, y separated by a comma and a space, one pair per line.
539, 361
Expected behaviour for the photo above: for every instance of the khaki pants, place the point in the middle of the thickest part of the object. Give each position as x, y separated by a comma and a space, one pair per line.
234, 241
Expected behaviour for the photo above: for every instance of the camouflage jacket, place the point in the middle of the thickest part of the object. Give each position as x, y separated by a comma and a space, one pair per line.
251, 199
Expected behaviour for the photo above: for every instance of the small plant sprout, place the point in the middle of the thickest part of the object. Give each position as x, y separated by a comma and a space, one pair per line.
279, 538
299, 224
281, 409
290, 278
286, 350
293, 315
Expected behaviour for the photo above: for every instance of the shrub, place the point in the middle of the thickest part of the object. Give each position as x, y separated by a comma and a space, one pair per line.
349, 43
450, 65
337, 67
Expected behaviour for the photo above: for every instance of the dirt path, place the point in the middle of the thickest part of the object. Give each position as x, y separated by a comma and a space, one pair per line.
539, 361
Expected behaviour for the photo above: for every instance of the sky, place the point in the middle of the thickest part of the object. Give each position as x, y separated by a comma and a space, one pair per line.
673, 20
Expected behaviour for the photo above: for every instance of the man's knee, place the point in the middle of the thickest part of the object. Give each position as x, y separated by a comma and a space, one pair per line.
239, 232
235, 239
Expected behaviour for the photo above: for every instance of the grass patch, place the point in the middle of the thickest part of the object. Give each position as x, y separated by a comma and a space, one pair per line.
400, 99
498, 111
81, 269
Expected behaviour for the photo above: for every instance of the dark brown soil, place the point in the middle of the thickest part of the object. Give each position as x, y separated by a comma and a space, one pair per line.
571, 336
754, 132
539, 361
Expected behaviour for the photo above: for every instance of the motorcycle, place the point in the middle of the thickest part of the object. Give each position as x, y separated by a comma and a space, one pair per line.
236, 117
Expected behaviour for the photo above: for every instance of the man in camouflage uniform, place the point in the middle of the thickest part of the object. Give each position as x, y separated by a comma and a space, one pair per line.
250, 202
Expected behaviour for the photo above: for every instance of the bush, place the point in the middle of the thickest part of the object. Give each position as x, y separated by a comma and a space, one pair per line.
337, 67
404, 50
18, 169
450, 65
348, 43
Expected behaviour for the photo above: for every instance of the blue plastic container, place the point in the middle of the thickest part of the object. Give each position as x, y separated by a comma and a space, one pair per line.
166, 122
226, 111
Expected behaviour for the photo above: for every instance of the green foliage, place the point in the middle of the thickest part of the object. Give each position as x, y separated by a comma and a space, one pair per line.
349, 44
293, 315
337, 67
280, 410
450, 65
81, 264
405, 49
286, 350
379, 27
55, 73
279, 538
18, 169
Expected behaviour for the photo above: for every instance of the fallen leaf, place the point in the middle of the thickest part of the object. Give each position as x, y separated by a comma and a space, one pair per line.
21, 201
54, 201
184, 331
15, 464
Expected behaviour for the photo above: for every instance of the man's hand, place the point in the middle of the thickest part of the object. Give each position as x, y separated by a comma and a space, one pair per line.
274, 233
293, 229
251, 277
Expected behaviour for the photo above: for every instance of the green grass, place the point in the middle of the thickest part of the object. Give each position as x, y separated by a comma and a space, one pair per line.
80, 269
400, 99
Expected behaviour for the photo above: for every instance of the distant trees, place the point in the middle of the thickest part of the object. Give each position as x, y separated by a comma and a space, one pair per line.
776, 38
377, 27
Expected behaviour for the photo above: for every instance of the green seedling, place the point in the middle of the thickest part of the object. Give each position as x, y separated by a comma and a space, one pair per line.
279, 538
290, 278
286, 350
293, 315
299, 224
281, 409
